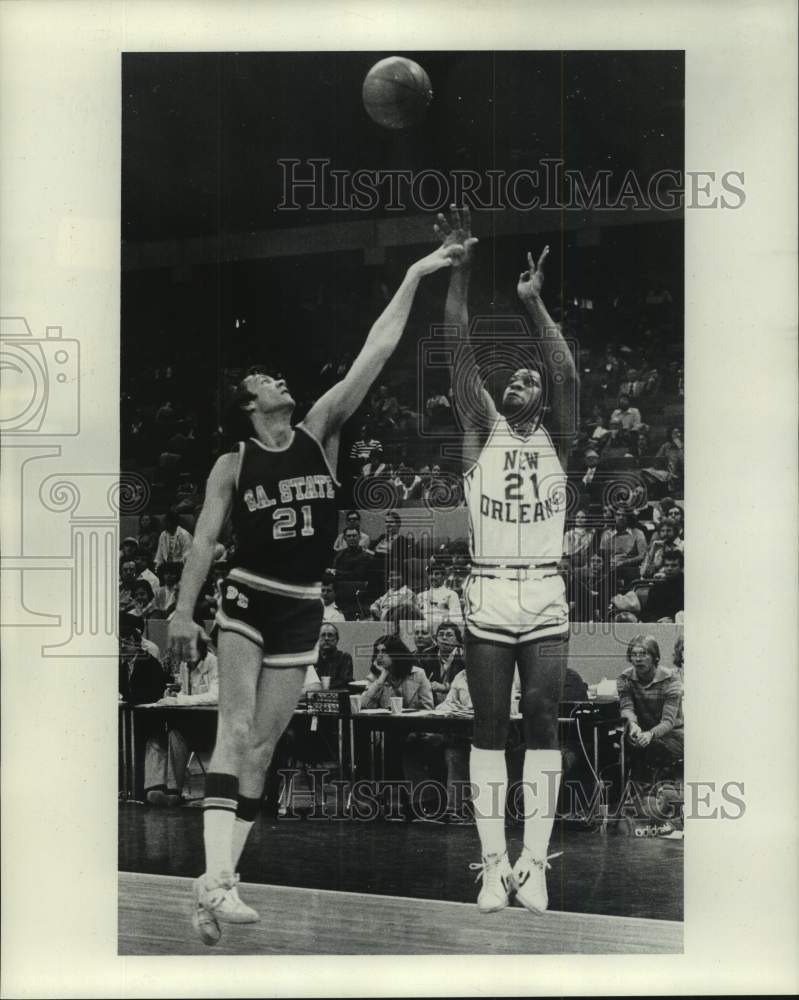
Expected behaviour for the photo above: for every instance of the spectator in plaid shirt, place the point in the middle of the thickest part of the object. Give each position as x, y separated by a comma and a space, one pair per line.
650, 697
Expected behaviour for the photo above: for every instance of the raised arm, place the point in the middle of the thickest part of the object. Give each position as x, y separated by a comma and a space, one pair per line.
473, 403
562, 379
343, 399
183, 630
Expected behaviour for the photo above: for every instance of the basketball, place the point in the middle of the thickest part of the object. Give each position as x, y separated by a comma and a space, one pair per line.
396, 92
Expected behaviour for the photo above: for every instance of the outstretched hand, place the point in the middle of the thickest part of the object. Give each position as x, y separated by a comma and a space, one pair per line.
448, 255
531, 281
456, 232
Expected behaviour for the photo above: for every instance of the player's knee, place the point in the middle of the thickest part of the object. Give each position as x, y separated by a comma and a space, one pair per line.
237, 735
490, 734
540, 715
260, 751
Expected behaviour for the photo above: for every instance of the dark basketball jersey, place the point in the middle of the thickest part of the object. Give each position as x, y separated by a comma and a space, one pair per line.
284, 512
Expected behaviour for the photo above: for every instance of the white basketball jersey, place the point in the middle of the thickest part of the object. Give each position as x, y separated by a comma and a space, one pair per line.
516, 495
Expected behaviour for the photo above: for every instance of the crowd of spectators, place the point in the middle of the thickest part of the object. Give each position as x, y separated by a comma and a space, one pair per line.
626, 567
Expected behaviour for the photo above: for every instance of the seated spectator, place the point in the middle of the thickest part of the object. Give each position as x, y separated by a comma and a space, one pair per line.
458, 575
407, 483
641, 444
610, 367
664, 540
398, 593
144, 571
578, 542
677, 514
439, 603
438, 410
443, 660
412, 485
423, 637
636, 383
590, 591
174, 542
405, 611
590, 481
351, 520
141, 677
434, 484
416, 565
628, 416
617, 452
445, 491
353, 562
142, 605
379, 649
670, 457
666, 596
165, 598
678, 657
398, 677
127, 581
364, 447
149, 530
597, 426
332, 662
330, 610
129, 549
375, 466
623, 549
661, 508
650, 698
167, 753
391, 546
385, 409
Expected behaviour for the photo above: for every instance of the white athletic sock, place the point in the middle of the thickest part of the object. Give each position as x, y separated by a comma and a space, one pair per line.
241, 830
218, 834
489, 773
540, 798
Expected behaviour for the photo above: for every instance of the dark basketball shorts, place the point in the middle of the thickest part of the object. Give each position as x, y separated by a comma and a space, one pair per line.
282, 618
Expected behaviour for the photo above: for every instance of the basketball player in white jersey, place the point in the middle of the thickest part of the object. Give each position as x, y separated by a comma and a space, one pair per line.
280, 489
515, 455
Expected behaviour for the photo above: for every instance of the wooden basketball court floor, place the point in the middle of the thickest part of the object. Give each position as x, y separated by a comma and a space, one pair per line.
155, 911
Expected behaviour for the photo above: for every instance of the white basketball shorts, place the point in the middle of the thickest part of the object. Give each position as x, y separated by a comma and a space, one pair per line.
516, 607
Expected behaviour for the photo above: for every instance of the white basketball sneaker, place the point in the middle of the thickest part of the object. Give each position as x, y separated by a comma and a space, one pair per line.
217, 901
529, 879
233, 911
496, 873
209, 895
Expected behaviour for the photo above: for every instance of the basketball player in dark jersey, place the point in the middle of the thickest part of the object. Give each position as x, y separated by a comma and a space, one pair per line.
516, 612
280, 487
